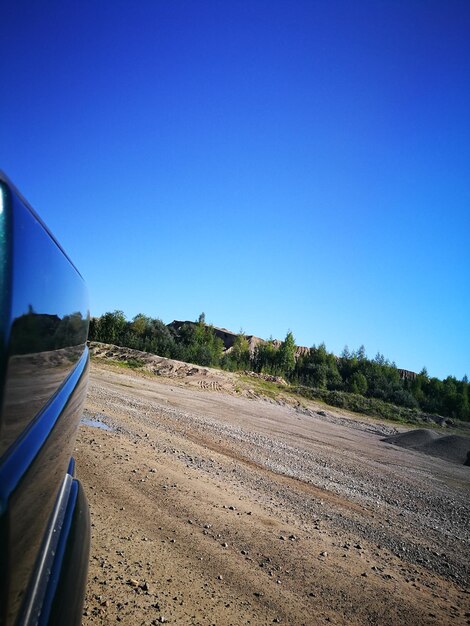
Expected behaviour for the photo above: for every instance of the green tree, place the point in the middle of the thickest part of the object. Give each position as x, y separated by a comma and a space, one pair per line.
357, 383
111, 327
286, 354
201, 345
265, 358
241, 352
140, 324
361, 353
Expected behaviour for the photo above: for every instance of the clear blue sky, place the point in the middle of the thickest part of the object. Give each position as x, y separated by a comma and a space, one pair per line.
277, 165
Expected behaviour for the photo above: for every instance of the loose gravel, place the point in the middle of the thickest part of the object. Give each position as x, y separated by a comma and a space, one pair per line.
315, 479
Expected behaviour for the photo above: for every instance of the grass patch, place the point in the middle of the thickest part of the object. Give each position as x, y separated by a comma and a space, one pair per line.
342, 400
134, 363
366, 406
264, 387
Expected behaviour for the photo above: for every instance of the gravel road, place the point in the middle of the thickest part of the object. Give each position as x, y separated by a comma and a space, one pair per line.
213, 509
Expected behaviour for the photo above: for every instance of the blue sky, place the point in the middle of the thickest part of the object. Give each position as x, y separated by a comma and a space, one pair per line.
277, 165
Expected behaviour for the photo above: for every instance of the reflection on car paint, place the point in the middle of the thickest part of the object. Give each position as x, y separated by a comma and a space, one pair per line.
44, 321
48, 323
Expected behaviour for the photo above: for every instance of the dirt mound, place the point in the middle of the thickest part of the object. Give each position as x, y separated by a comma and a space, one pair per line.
453, 448
189, 374
413, 438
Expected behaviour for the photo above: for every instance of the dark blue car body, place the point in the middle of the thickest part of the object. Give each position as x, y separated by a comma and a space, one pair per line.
44, 517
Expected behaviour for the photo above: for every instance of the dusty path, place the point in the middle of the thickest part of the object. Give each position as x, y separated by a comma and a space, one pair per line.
212, 509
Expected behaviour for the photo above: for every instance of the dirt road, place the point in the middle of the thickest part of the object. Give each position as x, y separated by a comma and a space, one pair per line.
212, 509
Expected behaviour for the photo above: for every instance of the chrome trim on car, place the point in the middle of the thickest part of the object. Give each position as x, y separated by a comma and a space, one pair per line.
34, 602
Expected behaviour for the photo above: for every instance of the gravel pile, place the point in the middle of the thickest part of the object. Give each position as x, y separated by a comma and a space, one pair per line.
453, 448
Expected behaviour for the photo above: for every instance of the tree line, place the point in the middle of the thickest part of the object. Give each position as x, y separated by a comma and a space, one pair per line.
194, 343
352, 372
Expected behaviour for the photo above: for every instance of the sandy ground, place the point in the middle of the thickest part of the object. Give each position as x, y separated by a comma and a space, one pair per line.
213, 509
